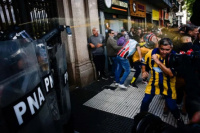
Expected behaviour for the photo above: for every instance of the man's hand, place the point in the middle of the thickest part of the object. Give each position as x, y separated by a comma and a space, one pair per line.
145, 74
155, 58
99, 45
92, 45
162, 66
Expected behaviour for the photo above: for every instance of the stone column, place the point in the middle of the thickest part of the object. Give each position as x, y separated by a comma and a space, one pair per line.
81, 69
92, 16
65, 19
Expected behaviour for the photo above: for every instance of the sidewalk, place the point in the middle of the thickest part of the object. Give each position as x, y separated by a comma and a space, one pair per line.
96, 109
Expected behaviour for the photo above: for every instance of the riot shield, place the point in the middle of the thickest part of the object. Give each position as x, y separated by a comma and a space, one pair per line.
42, 57
47, 78
61, 78
23, 106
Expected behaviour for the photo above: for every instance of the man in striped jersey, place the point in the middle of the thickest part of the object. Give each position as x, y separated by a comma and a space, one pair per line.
150, 36
123, 63
162, 79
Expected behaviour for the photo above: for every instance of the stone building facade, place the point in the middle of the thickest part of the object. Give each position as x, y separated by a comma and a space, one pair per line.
81, 16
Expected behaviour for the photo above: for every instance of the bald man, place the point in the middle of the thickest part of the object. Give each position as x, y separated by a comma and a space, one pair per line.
96, 43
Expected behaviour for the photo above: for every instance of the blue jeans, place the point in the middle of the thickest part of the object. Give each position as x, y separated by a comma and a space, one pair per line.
122, 63
114, 64
171, 103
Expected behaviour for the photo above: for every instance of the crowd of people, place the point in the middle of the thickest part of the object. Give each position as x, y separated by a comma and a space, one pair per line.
145, 52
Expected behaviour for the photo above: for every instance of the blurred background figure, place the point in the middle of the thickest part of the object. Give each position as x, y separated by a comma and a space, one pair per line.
197, 41
125, 34
131, 33
138, 34
191, 31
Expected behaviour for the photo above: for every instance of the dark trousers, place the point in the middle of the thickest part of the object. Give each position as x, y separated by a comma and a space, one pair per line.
99, 61
171, 103
137, 67
130, 58
113, 59
180, 89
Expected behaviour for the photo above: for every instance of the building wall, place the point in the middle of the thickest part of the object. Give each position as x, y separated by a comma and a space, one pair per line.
140, 21
149, 6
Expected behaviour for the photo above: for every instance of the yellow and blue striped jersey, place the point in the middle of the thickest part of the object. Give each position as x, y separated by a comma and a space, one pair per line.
159, 82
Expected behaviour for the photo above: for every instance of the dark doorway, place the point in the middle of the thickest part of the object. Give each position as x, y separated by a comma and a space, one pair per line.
155, 23
149, 18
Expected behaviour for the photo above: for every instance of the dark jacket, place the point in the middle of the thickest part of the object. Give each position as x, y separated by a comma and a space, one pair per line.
112, 48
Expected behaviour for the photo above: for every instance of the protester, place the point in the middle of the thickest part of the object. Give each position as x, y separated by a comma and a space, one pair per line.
112, 50
197, 41
138, 34
125, 34
122, 61
162, 80
131, 33
150, 36
137, 61
191, 31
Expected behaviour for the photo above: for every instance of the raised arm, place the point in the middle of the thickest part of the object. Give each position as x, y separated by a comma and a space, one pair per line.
166, 70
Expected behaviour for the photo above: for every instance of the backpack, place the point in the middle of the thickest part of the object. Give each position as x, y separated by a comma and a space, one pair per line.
128, 49
121, 41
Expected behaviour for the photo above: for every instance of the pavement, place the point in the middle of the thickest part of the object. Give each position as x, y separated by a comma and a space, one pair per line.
99, 108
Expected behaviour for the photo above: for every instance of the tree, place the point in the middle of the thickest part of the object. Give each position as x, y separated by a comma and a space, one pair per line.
189, 5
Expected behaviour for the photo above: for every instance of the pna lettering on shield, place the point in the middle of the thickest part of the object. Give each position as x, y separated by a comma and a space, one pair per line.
33, 103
